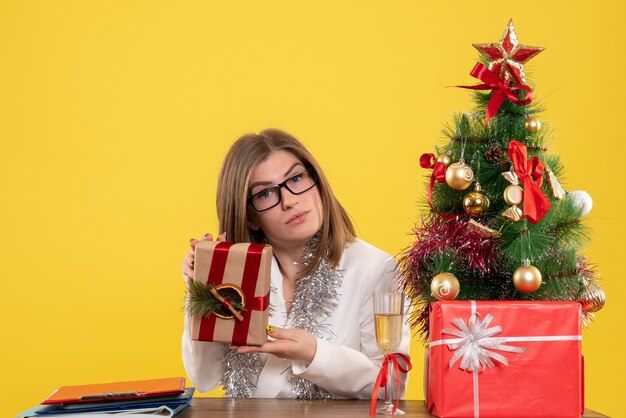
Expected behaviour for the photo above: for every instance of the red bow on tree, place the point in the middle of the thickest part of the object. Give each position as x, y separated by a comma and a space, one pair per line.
438, 175
499, 90
530, 173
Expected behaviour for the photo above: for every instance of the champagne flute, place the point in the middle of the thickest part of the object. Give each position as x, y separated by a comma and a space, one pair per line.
388, 312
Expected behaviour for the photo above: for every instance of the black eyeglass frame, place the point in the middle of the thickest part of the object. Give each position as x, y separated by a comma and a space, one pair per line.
284, 184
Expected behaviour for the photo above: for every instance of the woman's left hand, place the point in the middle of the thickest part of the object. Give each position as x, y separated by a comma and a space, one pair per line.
290, 343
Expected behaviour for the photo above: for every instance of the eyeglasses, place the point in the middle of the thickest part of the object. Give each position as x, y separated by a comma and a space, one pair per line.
270, 197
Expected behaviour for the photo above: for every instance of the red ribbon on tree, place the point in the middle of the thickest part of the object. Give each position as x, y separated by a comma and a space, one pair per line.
499, 90
530, 173
438, 175
383, 377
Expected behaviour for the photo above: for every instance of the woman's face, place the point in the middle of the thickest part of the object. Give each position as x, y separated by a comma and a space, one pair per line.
293, 221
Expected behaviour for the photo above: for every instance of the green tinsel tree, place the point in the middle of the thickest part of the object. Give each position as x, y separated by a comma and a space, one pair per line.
476, 235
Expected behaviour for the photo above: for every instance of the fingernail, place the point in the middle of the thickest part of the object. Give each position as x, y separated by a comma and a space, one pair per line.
207, 235
270, 329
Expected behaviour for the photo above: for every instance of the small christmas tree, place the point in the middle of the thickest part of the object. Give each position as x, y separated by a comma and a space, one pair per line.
499, 225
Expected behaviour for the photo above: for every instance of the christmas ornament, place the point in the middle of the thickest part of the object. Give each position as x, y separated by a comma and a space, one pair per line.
593, 298
482, 229
506, 58
532, 125
528, 172
494, 155
315, 301
445, 159
513, 195
583, 200
527, 278
558, 192
475, 203
513, 213
438, 176
445, 286
459, 175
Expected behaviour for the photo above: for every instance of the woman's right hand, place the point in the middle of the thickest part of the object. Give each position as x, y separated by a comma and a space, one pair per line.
188, 261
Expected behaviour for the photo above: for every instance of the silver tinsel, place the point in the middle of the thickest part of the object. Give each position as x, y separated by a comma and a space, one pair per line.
241, 372
314, 302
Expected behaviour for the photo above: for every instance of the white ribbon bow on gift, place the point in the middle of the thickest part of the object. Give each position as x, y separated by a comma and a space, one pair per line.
476, 342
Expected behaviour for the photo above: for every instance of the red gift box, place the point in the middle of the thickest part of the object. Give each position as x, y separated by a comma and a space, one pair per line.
246, 267
504, 359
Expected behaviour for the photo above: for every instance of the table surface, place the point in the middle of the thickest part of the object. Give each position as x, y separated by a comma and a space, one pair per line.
279, 408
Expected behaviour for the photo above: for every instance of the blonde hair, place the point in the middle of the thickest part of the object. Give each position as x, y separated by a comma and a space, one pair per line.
233, 189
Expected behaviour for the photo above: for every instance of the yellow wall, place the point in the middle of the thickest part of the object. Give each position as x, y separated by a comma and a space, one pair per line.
115, 115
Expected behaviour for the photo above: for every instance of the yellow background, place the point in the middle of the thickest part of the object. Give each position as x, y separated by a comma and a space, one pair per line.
115, 116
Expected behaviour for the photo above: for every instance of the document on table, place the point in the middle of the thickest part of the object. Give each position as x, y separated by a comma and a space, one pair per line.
162, 411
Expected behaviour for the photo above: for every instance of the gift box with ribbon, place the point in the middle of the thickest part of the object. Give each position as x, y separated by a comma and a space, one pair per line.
504, 359
238, 278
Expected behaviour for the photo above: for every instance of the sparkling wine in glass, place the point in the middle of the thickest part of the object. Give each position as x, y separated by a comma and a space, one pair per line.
388, 316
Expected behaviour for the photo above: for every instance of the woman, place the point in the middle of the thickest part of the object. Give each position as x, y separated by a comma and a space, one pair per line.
321, 342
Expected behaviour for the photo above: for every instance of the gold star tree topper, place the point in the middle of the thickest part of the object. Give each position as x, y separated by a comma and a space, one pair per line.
506, 58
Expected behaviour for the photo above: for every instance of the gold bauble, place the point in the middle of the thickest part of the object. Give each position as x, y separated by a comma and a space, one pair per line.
445, 286
445, 159
475, 203
459, 176
593, 298
527, 278
532, 125
513, 195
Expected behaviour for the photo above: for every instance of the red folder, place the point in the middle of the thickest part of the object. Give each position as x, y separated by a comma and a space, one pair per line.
115, 391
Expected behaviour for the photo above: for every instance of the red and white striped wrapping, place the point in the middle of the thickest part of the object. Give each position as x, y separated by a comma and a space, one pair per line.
246, 266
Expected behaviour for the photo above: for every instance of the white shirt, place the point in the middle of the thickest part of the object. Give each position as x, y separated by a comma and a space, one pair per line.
346, 365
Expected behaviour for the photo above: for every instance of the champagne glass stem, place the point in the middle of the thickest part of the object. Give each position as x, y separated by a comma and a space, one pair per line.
388, 396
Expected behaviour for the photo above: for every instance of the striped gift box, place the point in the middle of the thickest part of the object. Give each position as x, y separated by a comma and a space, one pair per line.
246, 266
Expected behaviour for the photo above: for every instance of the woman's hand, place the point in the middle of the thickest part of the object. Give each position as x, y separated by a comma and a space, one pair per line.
293, 343
188, 261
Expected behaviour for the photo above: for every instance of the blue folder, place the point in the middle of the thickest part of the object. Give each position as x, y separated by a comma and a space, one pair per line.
176, 403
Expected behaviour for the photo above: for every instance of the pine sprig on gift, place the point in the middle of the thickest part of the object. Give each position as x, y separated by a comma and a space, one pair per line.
201, 302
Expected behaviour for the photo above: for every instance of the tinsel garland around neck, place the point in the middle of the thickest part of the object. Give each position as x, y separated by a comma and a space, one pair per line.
314, 302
